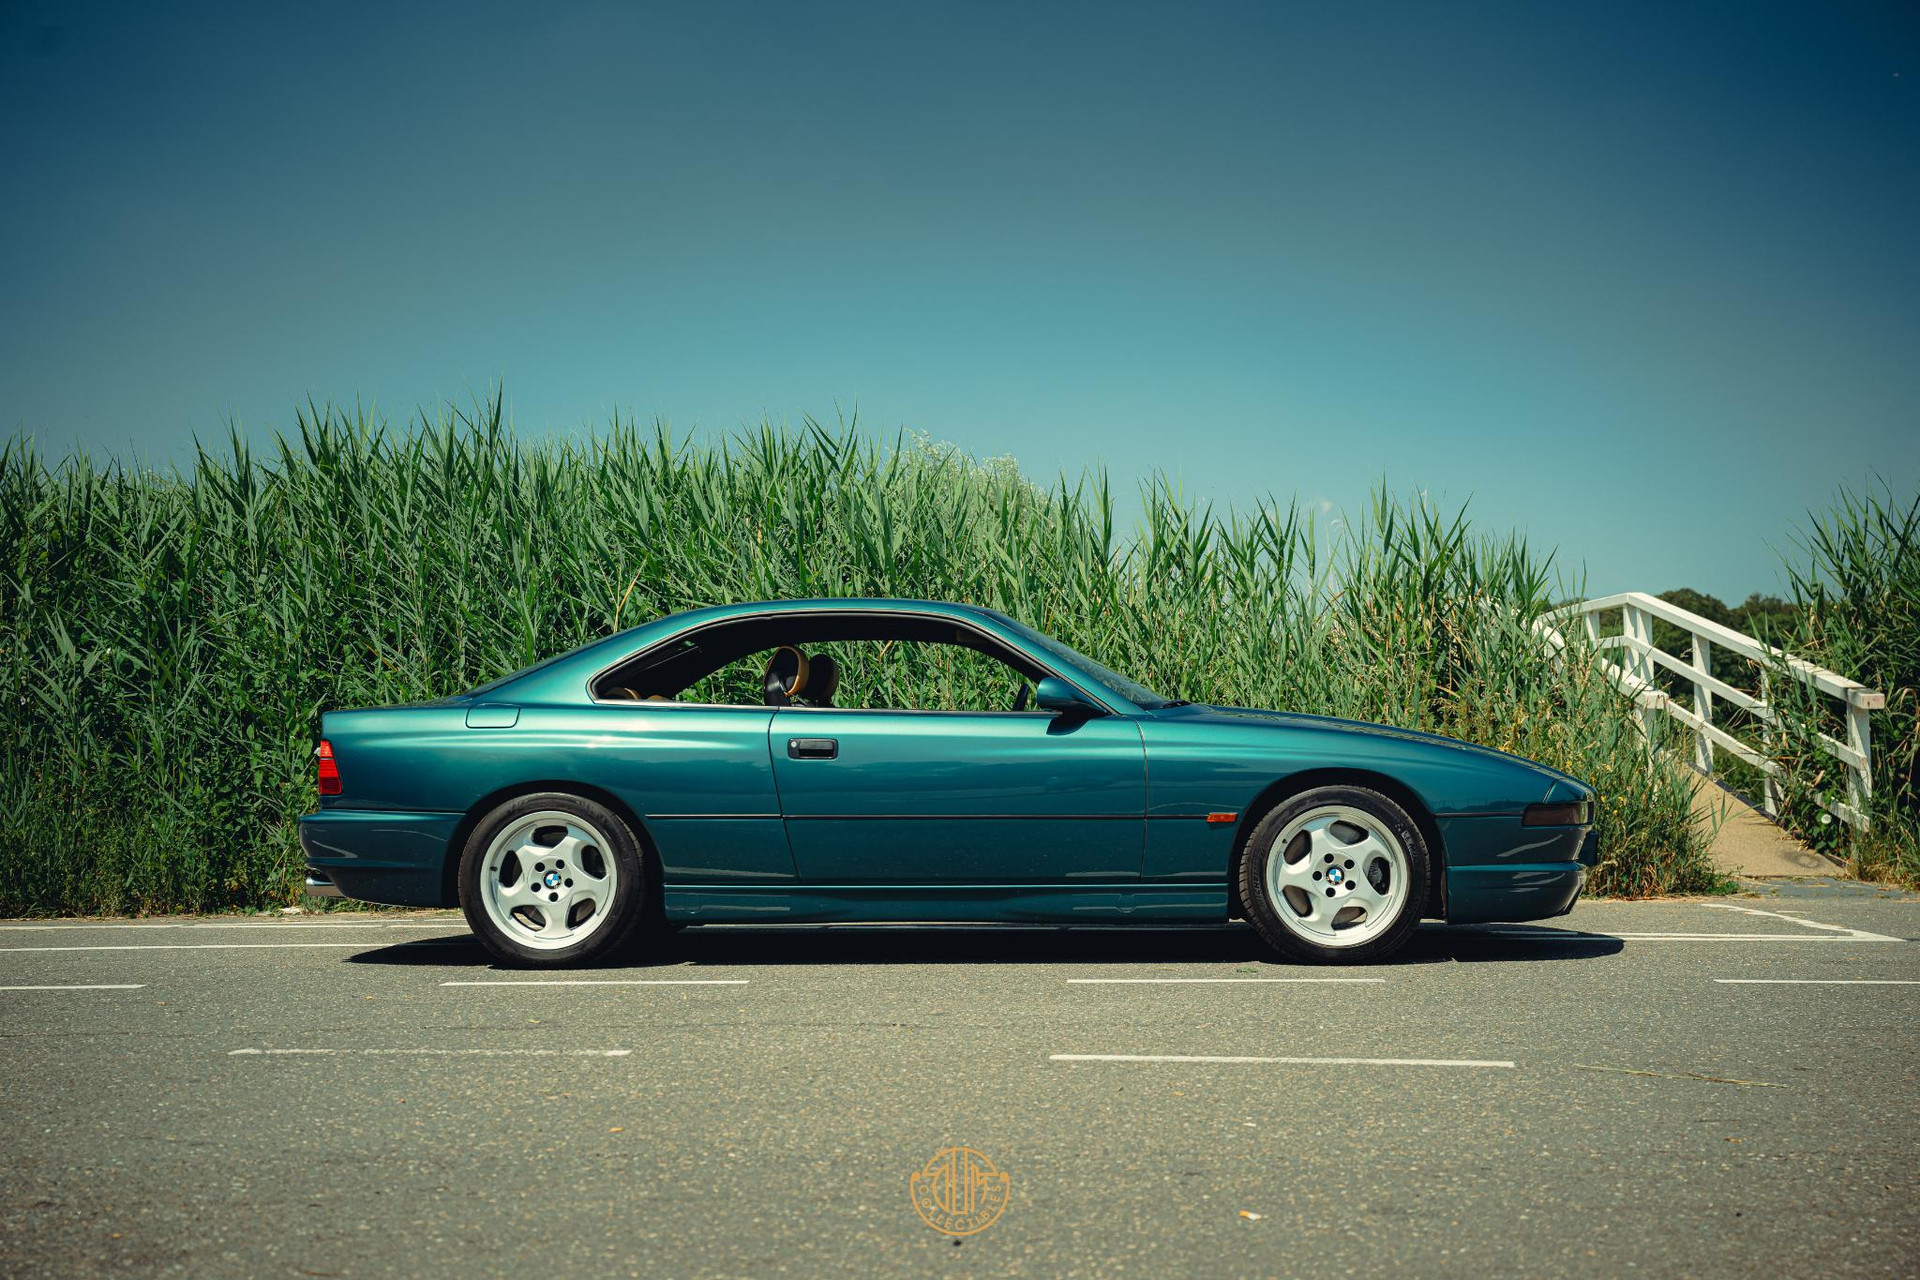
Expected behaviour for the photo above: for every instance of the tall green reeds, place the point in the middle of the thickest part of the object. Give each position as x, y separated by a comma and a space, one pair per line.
1857, 582
171, 638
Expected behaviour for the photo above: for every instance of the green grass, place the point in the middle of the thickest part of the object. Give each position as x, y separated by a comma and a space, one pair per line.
171, 638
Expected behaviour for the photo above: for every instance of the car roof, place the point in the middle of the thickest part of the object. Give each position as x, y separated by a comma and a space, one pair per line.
832, 604
562, 671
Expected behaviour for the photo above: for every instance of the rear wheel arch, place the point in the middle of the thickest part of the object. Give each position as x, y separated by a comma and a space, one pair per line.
1283, 789
450, 864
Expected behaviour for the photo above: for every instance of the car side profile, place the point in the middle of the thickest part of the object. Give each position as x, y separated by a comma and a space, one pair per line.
765, 763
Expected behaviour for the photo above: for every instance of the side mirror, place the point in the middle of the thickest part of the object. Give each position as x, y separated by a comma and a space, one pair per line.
1055, 694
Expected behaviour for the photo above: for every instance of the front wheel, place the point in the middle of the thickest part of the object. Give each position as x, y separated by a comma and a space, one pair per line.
1335, 875
552, 879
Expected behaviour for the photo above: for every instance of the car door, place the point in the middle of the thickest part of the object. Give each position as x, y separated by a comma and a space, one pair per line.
960, 797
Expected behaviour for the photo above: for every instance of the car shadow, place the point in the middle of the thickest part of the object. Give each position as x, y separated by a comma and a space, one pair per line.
735, 945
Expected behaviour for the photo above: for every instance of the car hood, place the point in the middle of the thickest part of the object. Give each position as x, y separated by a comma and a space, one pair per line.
1300, 720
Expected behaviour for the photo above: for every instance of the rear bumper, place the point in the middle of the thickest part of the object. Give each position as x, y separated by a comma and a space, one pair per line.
320, 885
379, 856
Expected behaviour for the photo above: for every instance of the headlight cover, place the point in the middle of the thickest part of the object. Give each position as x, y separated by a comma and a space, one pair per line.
1577, 814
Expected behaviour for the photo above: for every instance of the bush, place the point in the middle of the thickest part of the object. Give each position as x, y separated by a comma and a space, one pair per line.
171, 638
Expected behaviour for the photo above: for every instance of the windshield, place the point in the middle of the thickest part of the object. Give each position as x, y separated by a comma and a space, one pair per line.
1133, 692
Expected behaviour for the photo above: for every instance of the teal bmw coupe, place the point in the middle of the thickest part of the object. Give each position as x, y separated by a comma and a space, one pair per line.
900, 760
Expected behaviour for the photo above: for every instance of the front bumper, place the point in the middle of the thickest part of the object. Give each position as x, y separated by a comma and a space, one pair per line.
379, 855
1481, 895
1500, 870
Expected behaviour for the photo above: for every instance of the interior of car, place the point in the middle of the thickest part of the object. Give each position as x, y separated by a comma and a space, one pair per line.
870, 661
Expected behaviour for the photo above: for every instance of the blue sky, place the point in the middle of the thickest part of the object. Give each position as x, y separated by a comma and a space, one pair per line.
1640, 280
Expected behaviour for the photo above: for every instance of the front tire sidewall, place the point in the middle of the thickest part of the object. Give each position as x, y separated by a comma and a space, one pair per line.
629, 897
1264, 914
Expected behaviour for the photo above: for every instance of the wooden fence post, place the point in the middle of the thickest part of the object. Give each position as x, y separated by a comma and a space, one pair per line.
1702, 704
1859, 781
1770, 787
1637, 626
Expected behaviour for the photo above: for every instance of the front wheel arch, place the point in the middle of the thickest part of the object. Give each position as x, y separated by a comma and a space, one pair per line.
1284, 789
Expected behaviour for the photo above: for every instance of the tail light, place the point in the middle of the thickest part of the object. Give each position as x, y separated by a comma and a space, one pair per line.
329, 771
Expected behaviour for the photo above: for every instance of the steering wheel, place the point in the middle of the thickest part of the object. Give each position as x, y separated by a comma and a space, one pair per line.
1020, 698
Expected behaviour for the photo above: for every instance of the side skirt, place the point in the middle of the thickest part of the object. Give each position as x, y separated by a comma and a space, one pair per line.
946, 904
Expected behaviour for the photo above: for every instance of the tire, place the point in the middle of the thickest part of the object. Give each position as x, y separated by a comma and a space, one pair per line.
553, 879
1356, 884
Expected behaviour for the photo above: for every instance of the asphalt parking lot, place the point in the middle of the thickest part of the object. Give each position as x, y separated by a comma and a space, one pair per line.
1690, 1087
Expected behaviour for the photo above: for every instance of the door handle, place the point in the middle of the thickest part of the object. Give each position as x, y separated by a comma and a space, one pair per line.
812, 748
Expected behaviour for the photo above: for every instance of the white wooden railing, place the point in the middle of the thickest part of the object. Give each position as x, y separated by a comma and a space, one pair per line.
1633, 675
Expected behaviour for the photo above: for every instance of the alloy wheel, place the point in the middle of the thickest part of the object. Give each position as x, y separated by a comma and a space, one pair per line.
1337, 876
548, 880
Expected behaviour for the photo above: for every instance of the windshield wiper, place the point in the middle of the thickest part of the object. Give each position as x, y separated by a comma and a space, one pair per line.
1175, 702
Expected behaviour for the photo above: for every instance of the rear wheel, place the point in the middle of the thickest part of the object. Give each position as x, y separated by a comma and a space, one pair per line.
1335, 875
552, 879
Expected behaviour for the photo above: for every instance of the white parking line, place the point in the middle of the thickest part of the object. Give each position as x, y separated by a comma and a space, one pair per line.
201, 946
64, 926
1819, 982
1775, 915
609, 982
1299, 1062
432, 1053
1100, 982
100, 986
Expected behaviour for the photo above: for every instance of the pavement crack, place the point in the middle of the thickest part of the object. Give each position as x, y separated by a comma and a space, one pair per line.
1679, 1075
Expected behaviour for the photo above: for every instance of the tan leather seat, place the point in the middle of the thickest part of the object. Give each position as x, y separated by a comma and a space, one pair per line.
785, 676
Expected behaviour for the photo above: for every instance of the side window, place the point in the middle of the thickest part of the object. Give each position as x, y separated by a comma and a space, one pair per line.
922, 665
735, 684
911, 675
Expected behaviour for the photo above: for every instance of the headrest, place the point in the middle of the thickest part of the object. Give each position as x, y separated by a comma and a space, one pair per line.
785, 676
823, 679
